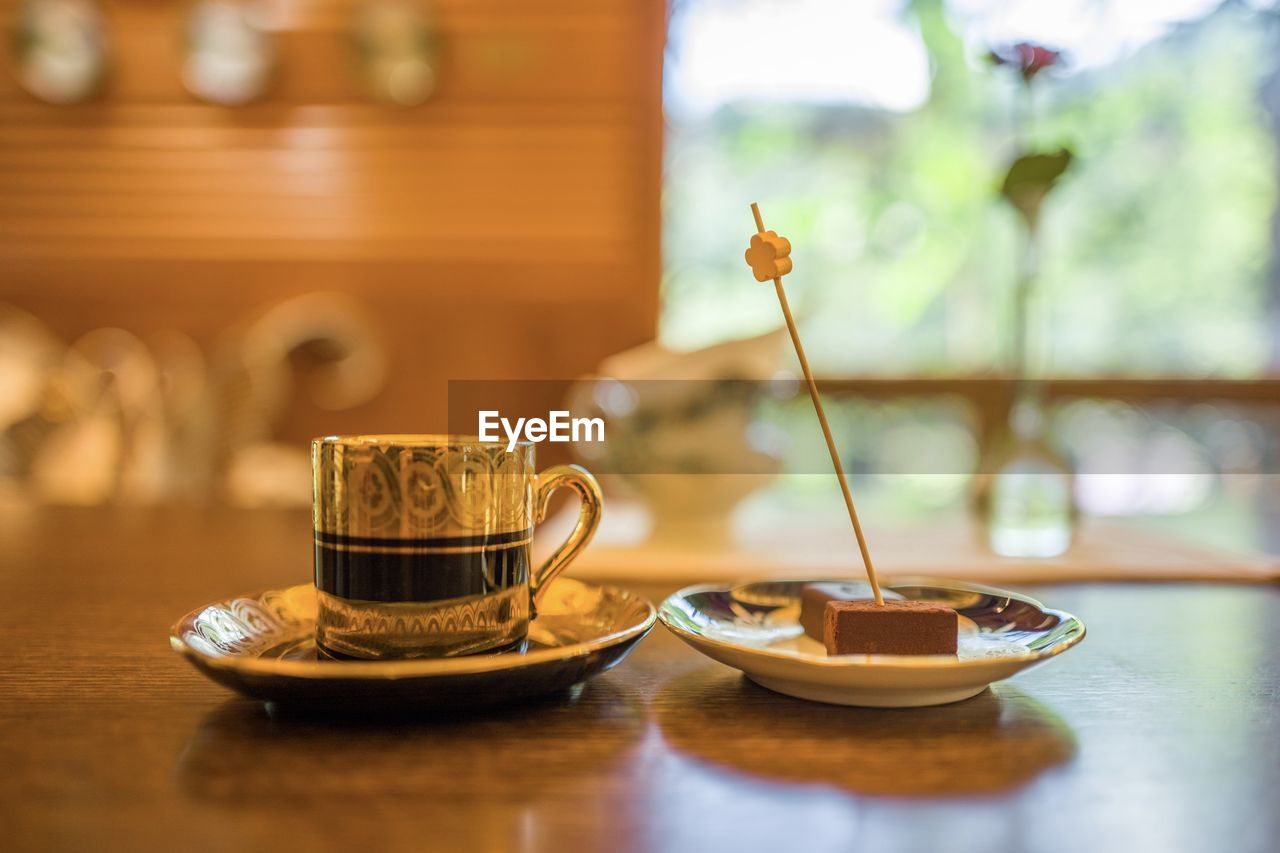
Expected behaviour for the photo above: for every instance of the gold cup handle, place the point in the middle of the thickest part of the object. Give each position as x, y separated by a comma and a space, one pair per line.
580, 480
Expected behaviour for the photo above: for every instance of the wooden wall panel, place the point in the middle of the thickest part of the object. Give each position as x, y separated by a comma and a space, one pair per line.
509, 226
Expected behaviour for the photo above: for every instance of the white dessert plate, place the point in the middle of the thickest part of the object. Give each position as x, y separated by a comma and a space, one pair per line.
754, 627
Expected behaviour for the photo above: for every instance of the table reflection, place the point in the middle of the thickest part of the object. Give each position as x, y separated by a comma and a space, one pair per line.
997, 741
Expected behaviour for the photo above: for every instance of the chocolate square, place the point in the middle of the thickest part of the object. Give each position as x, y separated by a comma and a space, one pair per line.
892, 628
814, 598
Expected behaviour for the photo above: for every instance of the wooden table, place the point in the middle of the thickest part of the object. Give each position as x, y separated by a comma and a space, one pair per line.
1161, 732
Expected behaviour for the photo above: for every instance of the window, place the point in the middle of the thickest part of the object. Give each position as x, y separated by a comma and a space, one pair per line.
875, 135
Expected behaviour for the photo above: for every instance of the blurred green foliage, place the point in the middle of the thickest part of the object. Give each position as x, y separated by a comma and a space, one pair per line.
1155, 245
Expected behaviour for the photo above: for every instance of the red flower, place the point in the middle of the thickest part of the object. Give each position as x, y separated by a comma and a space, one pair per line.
1029, 59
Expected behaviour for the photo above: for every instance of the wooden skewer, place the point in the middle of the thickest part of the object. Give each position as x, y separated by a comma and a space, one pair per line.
822, 419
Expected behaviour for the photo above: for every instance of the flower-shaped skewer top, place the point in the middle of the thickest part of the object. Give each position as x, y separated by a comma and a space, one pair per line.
769, 255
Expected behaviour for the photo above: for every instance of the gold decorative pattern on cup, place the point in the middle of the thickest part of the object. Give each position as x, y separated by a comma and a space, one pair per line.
390, 491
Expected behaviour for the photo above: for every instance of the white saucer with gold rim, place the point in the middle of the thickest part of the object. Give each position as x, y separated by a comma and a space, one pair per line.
754, 627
